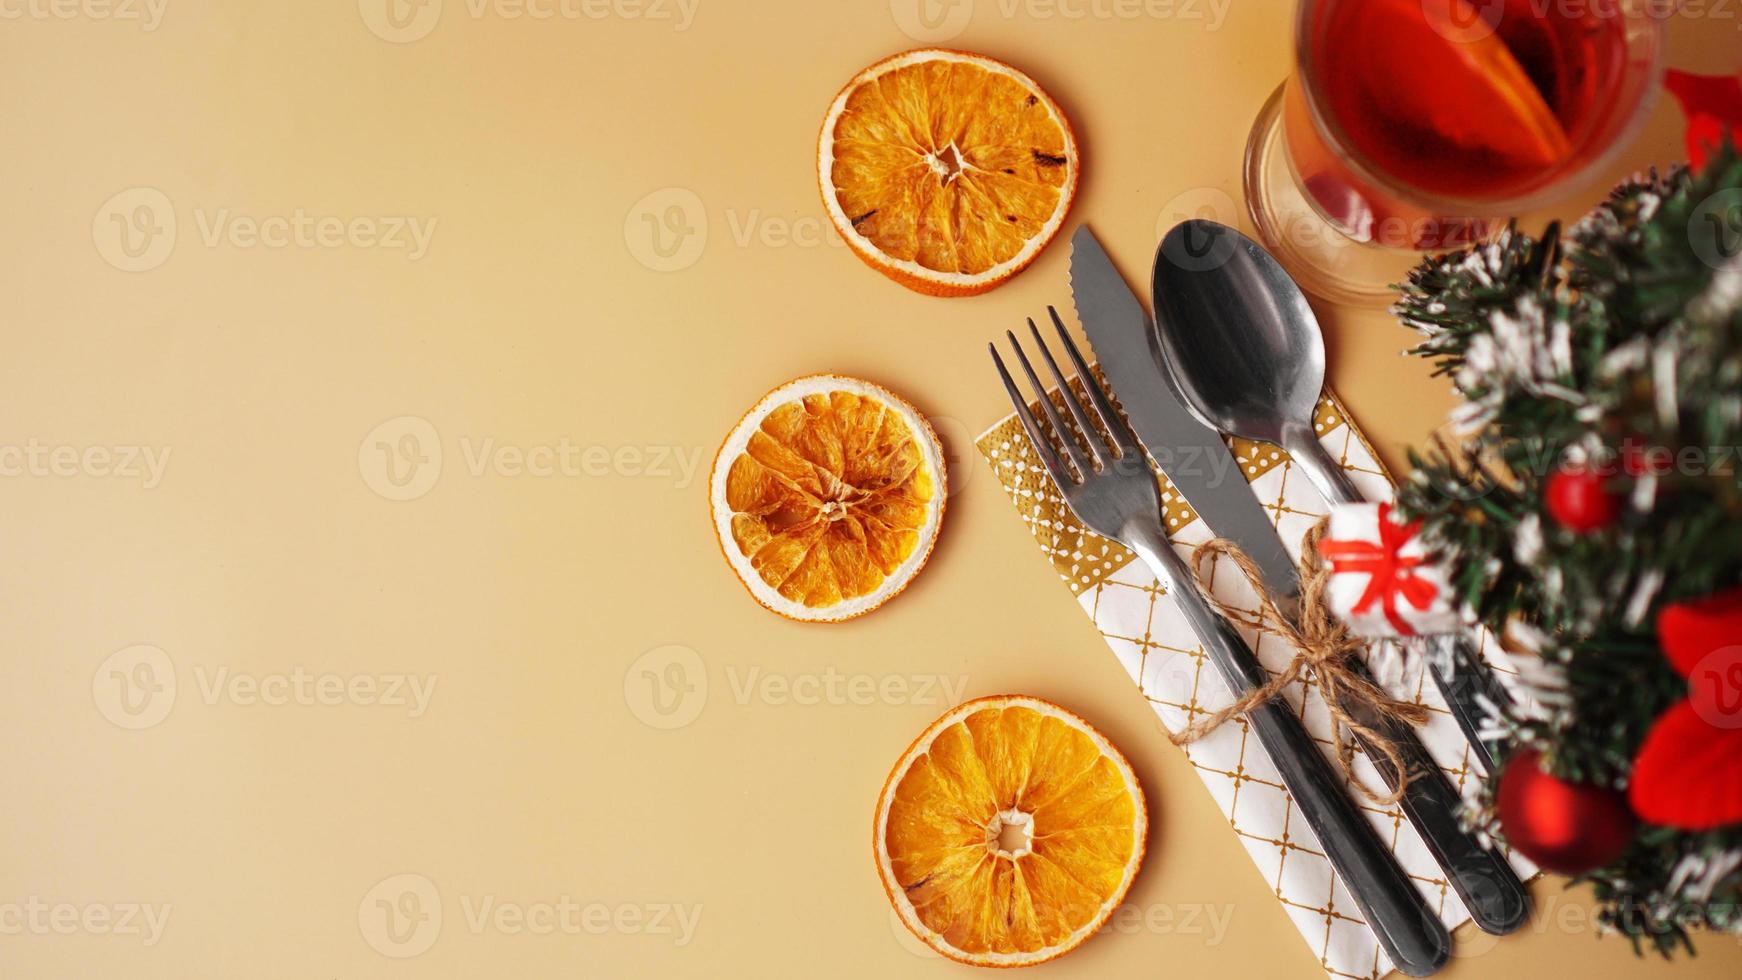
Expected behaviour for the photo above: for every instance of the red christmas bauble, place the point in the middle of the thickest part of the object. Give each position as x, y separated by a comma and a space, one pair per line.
1569, 828
1578, 501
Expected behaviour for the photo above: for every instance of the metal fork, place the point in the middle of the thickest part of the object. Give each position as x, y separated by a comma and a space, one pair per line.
1110, 487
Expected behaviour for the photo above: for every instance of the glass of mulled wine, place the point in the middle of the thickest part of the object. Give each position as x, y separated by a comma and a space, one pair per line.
1415, 125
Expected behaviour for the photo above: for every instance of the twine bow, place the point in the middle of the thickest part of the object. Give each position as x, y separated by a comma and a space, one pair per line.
1323, 645
1391, 574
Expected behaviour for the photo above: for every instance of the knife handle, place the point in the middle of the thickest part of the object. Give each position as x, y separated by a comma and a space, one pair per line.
1407, 929
1489, 888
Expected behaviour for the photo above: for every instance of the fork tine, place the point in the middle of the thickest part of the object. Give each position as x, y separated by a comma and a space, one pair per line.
1116, 427
1090, 435
1059, 427
1061, 474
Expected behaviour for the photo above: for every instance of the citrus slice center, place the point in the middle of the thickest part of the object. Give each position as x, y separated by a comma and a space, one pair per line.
947, 163
1011, 834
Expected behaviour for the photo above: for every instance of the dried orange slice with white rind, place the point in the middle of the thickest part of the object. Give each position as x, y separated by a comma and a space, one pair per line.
827, 497
1009, 832
946, 171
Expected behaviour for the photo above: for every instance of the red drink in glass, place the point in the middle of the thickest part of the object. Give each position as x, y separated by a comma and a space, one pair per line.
1410, 124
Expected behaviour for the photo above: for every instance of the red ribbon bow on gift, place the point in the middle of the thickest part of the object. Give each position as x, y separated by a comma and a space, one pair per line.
1392, 573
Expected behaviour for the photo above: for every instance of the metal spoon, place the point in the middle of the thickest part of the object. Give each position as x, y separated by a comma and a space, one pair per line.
1245, 352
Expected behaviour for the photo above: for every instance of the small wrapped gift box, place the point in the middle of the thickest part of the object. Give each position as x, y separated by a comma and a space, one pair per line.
1384, 582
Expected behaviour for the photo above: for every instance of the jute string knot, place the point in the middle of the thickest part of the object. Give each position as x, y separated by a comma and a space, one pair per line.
1323, 646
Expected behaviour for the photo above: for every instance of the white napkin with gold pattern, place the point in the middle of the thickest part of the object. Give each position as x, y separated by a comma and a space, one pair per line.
1161, 654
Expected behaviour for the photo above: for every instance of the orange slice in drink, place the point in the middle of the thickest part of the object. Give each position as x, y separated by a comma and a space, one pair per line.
1008, 832
827, 497
945, 171
1443, 68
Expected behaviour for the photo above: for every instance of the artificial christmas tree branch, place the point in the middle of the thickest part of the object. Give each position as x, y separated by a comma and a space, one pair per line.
1594, 484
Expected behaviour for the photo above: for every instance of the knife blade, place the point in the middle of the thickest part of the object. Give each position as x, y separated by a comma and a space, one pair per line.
1191, 454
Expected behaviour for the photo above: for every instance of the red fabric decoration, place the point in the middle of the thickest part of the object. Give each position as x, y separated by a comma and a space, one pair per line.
1392, 574
1568, 828
1688, 773
1712, 104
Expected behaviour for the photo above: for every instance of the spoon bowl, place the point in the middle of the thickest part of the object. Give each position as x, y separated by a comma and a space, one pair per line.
1241, 343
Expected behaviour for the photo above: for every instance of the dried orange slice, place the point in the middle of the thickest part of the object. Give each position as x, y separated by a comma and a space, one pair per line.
945, 171
827, 497
1008, 832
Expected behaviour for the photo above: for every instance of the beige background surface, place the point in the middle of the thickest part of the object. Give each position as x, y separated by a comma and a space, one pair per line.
281, 781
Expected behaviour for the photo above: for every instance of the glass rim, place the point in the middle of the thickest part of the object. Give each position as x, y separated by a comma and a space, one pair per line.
1551, 187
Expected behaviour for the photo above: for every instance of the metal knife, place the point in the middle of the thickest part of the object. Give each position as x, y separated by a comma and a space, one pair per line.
1192, 455
1200, 467
1409, 932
